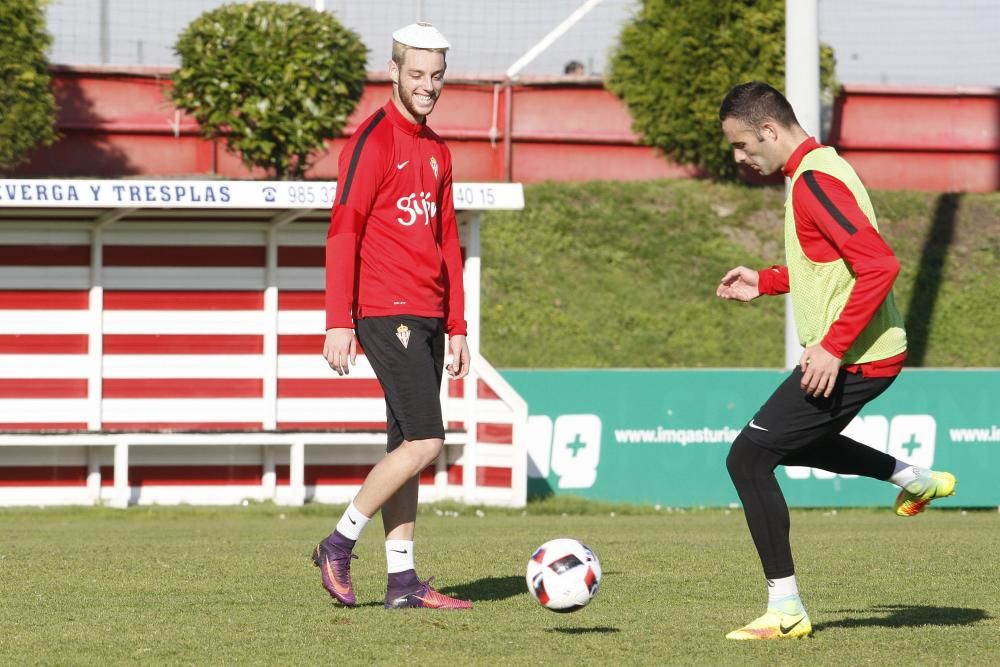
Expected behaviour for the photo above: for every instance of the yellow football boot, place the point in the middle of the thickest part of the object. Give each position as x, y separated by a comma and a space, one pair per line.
775, 625
912, 500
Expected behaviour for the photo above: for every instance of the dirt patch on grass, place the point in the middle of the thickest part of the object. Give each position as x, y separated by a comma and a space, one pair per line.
761, 234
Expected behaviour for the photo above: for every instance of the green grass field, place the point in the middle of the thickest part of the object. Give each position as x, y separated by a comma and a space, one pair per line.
235, 586
623, 275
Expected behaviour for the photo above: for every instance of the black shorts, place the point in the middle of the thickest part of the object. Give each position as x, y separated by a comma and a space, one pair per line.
792, 420
407, 354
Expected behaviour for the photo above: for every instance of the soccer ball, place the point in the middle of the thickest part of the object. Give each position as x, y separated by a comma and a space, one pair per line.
563, 575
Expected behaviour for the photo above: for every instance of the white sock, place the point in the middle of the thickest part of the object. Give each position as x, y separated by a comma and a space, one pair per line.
783, 595
399, 555
905, 474
352, 523
779, 589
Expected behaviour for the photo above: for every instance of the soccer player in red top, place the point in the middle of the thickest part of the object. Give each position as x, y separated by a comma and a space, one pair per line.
839, 272
394, 283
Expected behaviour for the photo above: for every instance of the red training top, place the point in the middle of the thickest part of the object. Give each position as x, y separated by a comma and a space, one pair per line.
830, 225
392, 247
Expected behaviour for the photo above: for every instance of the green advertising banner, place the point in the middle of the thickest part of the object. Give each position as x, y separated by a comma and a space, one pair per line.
661, 437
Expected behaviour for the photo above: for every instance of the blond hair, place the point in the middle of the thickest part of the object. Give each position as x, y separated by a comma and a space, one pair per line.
399, 52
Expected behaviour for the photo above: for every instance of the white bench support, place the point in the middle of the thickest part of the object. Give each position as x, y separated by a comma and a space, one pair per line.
269, 478
297, 474
93, 475
122, 492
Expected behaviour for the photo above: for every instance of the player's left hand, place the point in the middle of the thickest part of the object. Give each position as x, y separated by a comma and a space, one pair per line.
819, 371
741, 284
459, 366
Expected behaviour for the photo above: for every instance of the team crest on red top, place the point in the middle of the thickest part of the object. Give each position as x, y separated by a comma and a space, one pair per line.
434, 167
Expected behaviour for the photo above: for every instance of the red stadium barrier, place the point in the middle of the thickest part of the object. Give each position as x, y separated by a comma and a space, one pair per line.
117, 122
937, 139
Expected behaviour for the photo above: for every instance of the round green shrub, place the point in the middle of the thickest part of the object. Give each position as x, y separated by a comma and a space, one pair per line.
27, 106
677, 59
275, 80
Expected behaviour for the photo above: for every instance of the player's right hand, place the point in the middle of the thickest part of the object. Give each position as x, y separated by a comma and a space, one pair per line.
741, 284
339, 346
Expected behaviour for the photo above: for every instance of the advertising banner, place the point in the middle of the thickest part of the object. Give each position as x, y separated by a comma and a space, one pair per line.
660, 437
173, 193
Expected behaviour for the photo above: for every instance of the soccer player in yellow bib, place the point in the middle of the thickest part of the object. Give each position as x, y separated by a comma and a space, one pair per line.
839, 272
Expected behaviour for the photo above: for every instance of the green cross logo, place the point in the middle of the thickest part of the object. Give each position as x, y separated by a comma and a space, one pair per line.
576, 445
911, 445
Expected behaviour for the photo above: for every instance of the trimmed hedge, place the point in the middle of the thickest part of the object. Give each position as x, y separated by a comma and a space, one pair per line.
275, 80
677, 59
27, 106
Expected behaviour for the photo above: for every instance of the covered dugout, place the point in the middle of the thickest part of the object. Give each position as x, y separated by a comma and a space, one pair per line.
160, 343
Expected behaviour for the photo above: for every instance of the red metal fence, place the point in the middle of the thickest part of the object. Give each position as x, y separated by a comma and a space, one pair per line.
938, 139
118, 122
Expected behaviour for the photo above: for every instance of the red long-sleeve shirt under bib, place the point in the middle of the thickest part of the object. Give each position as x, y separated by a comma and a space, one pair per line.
830, 225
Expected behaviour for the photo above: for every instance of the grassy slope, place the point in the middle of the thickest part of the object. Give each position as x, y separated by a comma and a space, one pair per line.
609, 274
235, 586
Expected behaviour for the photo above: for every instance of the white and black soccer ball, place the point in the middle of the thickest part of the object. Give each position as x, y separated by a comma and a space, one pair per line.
563, 575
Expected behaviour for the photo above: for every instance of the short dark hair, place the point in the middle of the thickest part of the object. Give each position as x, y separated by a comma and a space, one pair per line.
755, 102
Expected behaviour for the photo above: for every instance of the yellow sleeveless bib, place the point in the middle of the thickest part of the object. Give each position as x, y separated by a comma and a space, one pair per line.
820, 289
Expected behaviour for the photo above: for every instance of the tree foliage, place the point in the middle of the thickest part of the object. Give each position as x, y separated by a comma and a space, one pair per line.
275, 80
677, 59
27, 106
